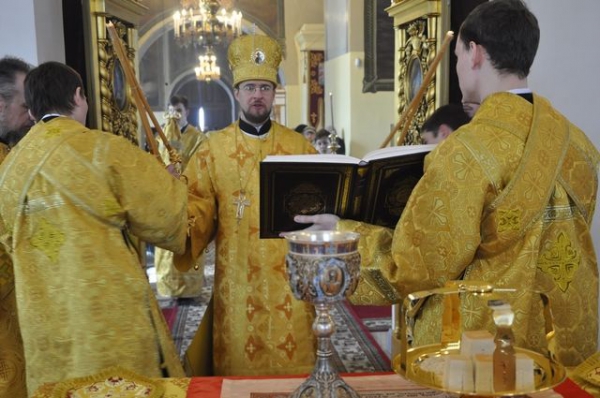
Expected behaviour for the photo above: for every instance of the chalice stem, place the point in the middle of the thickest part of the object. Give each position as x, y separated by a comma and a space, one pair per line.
324, 381
323, 327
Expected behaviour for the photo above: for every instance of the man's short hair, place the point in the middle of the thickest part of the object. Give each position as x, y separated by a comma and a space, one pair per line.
452, 115
179, 99
508, 31
9, 68
50, 88
322, 133
300, 128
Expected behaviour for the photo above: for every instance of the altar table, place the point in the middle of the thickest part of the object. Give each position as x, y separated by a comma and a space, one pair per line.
371, 385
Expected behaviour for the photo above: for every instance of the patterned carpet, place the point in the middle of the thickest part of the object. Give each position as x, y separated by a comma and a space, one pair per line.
355, 349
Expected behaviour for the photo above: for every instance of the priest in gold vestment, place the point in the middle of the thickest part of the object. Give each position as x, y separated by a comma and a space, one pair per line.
507, 199
69, 199
14, 124
259, 328
185, 140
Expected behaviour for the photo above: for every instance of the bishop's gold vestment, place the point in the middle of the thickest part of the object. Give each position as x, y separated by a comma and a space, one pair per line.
69, 197
169, 281
12, 361
259, 327
507, 199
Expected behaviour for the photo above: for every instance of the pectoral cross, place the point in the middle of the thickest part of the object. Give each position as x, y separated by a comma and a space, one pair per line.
241, 203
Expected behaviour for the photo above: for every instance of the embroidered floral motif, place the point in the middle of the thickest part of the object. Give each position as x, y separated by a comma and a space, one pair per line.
252, 307
49, 239
253, 271
560, 261
253, 346
286, 306
289, 346
509, 220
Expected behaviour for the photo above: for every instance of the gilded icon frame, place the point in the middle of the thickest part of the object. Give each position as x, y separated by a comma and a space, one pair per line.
420, 27
110, 97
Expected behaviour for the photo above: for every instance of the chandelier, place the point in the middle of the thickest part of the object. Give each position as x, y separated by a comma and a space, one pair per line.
205, 23
207, 68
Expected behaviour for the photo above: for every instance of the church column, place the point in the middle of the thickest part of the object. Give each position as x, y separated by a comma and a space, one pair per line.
310, 44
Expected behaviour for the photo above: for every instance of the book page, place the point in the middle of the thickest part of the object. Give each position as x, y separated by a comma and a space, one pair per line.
316, 158
393, 151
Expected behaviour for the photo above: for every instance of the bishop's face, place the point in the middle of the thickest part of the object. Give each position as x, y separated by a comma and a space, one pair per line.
256, 100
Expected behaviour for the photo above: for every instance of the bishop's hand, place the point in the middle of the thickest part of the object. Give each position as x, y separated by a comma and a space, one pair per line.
320, 222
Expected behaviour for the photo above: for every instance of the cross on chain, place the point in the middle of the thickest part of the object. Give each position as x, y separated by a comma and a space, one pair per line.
241, 203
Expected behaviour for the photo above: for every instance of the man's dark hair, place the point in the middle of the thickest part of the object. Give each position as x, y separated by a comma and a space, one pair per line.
179, 99
300, 128
507, 30
50, 88
9, 68
452, 115
322, 133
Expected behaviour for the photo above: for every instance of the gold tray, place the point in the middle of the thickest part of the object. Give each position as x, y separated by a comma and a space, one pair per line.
548, 372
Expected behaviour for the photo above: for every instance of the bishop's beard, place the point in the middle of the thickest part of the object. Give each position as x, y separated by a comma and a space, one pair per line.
12, 137
257, 119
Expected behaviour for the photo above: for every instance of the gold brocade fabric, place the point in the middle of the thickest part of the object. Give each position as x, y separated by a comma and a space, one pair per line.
186, 144
69, 197
173, 283
259, 327
477, 215
12, 361
169, 281
4, 149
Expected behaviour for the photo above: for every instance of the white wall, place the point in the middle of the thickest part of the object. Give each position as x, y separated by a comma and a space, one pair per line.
17, 30
567, 66
32, 30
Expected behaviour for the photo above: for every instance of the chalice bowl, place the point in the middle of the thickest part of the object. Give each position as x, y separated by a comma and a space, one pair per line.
323, 267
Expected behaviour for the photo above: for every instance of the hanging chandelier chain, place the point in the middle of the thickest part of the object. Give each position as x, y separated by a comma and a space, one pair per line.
205, 23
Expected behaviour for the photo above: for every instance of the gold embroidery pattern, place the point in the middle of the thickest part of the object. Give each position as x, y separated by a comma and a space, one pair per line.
114, 381
560, 213
560, 261
383, 286
253, 346
509, 220
53, 131
286, 306
48, 239
252, 307
289, 346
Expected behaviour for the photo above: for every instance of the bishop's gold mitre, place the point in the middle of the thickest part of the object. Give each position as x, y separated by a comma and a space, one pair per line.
254, 57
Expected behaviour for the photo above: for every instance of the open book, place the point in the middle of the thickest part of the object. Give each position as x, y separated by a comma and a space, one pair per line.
373, 189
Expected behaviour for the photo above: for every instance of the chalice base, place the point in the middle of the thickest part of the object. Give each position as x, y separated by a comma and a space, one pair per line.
324, 385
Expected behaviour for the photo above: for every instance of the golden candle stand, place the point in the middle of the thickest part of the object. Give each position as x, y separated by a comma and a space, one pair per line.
548, 372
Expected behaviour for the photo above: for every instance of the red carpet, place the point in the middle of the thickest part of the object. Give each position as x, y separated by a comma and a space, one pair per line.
372, 311
170, 315
369, 312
